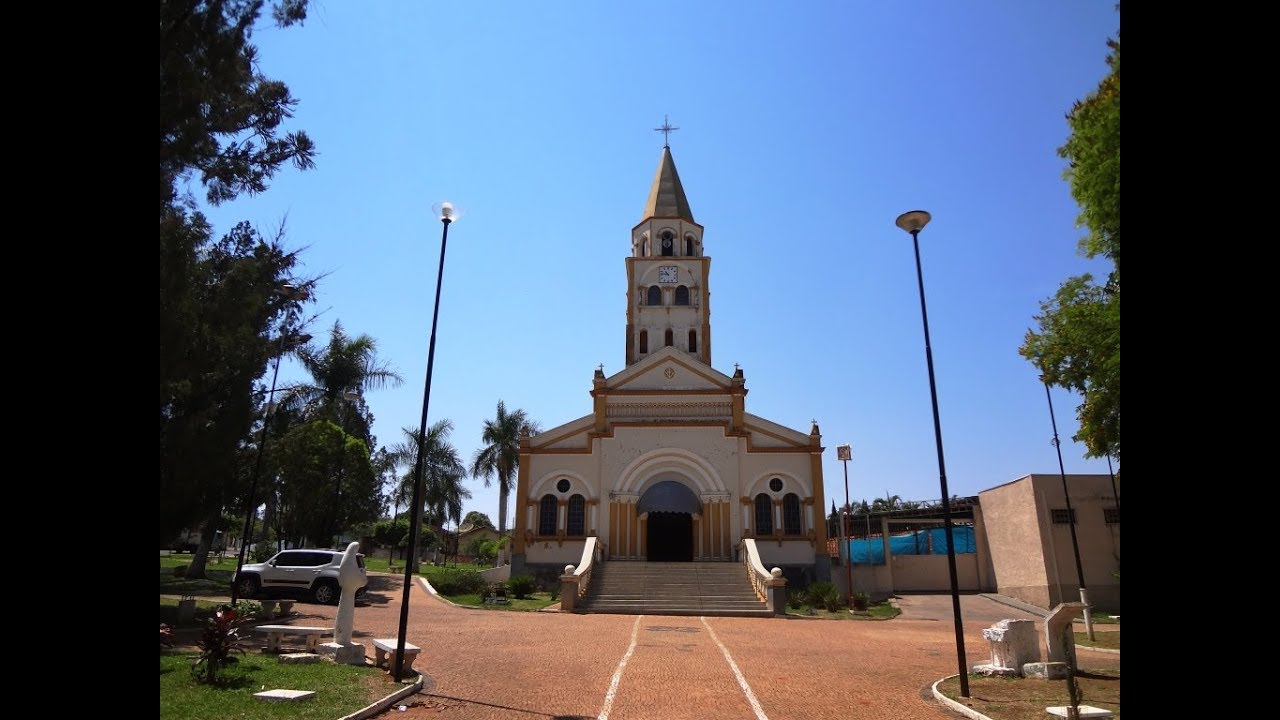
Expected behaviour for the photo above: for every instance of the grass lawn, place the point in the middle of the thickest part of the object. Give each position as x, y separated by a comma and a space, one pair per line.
340, 689
878, 611
534, 602
1109, 639
1025, 699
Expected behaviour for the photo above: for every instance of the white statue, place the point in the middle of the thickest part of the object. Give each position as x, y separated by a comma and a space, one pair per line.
350, 579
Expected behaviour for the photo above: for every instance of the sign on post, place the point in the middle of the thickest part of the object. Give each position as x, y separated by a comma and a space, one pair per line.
844, 452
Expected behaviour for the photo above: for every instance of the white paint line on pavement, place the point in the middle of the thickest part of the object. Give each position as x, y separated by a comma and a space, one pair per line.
617, 674
742, 681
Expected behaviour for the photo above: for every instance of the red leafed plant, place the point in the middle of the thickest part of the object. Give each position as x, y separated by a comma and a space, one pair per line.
219, 639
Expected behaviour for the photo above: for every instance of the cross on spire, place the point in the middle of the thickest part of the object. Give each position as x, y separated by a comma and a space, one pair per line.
666, 131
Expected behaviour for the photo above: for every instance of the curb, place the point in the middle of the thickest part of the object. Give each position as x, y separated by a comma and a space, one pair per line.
962, 709
1016, 604
1097, 649
388, 701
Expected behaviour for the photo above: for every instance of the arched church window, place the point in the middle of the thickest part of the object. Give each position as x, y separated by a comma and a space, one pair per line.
670, 338
688, 245
682, 295
791, 514
693, 341
644, 341
668, 243
764, 515
644, 248
655, 296
547, 515
577, 516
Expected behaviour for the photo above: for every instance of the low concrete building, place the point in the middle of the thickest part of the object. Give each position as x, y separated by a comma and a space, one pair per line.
1029, 539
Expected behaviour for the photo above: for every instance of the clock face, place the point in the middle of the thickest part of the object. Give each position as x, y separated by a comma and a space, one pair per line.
667, 274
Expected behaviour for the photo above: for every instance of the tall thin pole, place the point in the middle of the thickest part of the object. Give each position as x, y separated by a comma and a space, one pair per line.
961, 662
1071, 517
1114, 493
848, 546
247, 536
416, 509
292, 294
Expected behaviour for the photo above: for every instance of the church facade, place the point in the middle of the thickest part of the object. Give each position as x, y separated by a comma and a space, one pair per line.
669, 465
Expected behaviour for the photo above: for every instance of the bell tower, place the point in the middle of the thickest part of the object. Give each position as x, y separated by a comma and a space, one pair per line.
668, 299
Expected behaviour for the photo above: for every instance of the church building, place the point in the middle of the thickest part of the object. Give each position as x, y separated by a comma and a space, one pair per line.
668, 465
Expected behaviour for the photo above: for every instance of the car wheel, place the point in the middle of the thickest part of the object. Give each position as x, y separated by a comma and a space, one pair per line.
247, 586
327, 593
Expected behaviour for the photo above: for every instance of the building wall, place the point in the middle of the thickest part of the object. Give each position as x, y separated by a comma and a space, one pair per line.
716, 467
1033, 558
1099, 543
1013, 535
930, 573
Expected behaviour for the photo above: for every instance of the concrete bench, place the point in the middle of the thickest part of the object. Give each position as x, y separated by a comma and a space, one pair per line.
385, 654
269, 608
275, 633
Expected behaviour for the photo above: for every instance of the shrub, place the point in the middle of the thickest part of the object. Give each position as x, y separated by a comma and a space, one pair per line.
458, 582
861, 599
220, 638
180, 570
824, 595
795, 599
262, 552
522, 586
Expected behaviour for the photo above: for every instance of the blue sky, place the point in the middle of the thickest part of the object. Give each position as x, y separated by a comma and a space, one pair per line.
805, 129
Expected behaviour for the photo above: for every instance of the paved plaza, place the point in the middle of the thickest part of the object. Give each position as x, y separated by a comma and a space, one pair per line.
500, 664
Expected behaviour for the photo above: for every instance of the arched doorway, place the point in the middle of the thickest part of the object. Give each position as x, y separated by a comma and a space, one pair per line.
670, 506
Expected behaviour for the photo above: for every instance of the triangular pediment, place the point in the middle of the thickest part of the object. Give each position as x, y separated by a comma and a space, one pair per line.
669, 370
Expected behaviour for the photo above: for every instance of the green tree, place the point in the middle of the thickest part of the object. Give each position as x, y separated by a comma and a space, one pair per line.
478, 519
306, 458
501, 454
219, 116
218, 121
1077, 345
341, 371
219, 308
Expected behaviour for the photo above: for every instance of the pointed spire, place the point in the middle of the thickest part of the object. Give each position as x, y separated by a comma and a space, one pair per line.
666, 196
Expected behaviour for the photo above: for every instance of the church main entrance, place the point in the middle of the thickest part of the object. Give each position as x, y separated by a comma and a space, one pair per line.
670, 537
669, 529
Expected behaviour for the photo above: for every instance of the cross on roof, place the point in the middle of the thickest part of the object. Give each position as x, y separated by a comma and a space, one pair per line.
666, 131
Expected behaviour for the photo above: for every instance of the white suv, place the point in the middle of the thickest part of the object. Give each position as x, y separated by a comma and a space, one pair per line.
312, 573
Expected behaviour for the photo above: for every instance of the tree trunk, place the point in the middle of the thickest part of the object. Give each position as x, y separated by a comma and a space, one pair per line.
196, 569
502, 508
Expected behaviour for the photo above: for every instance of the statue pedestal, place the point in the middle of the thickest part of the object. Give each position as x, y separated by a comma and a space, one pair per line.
345, 654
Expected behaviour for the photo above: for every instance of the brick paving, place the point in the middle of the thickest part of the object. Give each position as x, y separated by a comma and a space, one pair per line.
493, 664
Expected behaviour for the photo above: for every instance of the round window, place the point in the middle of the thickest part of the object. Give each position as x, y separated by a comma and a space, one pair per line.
563, 485
775, 485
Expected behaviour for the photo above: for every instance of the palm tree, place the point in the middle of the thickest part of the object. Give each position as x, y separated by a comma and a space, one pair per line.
442, 474
340, 372
501, 454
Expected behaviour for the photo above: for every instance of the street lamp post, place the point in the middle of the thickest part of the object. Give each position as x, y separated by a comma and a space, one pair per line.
913, 222
447, 214
294, 295
844, 453
1071, 516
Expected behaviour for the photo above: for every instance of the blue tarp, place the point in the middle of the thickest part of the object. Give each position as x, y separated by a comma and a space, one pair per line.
920, 542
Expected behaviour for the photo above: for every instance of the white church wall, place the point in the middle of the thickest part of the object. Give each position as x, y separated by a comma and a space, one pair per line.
789, 552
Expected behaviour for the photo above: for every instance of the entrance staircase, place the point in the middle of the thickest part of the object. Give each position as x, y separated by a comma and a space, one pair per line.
672, 588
